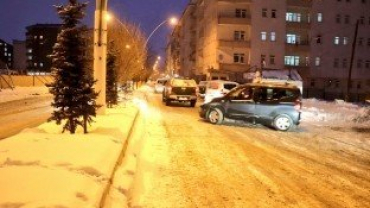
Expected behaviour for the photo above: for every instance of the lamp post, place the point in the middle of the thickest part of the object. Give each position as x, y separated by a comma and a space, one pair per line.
100, 53
172, 20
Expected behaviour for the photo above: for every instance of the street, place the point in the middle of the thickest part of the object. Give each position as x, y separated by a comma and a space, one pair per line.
198, 164
20, 114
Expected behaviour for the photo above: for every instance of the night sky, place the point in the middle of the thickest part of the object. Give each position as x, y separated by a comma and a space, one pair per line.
15, 15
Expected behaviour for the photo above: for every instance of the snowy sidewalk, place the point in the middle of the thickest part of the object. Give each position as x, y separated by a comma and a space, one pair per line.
41, 167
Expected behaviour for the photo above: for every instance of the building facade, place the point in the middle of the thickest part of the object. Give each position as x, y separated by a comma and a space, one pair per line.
20, 58
224, 39
6, 55
40, 39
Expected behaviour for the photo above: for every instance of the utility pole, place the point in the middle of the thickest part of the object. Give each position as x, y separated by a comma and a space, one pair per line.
100, 53
347, 96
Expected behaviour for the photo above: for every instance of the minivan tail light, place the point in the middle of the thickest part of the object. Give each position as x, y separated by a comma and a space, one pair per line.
298, 105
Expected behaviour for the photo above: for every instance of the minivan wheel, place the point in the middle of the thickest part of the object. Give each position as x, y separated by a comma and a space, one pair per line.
215, 116
168, 102
192, 103
283, 122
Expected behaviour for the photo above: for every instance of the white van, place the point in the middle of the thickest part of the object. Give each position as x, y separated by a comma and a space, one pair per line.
218, 88
159, 85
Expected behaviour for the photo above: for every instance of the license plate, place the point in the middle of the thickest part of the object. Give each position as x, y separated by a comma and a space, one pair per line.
183, 98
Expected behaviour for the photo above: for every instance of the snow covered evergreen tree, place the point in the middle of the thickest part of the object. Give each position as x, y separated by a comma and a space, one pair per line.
74, 95
111, 88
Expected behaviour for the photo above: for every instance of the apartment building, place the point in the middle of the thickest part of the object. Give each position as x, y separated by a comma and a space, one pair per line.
6, 55
225, 39
40, 39
20, 58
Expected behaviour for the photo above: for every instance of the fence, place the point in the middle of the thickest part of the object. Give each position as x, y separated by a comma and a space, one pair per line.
11, 81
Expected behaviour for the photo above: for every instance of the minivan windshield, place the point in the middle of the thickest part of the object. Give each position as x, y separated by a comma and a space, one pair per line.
184, 83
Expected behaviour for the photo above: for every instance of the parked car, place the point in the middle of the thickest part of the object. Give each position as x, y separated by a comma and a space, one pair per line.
159, 85
181, 90
202, 86
218, 88
276, 105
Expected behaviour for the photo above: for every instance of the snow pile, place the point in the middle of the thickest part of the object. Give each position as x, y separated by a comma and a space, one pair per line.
41, 167
335, 113
20, 93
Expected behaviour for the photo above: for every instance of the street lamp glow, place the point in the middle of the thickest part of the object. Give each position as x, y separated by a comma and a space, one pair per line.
173, 21
108, 17
159, 57
128, 46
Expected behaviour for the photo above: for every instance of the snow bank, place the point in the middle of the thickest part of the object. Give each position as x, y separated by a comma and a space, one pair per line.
20, 93
41, 167
335, 113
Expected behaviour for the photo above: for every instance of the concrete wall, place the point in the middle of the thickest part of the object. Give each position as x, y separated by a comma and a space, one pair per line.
24, 81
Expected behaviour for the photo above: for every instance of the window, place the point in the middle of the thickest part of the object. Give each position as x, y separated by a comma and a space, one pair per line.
318, 39
336, 40
367, 64
34, 64
360, 41
273, 13
291, 60
345, 40
239, 35
337, 83
313, 82
241, 13
41, 64
336, 63
29, 57
359, 63
273, 36
368, 41
358, 85
238, 57
346, 19
292, 38
263, 36
317, 61
29, 50
344, 63
319, 17
272, 59
41, 37
293, 17
337, 18
362, 20
263, 60
264, 12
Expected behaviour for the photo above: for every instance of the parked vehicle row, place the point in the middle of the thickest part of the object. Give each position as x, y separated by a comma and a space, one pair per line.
274, 104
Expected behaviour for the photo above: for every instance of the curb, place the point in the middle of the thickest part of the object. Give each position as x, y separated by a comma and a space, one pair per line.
118, 163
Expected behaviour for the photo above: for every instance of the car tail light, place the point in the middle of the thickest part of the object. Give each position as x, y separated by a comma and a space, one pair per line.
298, 104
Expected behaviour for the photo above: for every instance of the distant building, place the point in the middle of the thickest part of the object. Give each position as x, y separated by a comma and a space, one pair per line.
6, 55
40, 39
225, 39
19, 57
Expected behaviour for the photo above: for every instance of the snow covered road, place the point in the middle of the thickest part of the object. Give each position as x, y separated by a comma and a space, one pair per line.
183, 161
17, 115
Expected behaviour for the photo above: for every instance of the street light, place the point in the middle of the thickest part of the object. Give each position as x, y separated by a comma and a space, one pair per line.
172, 21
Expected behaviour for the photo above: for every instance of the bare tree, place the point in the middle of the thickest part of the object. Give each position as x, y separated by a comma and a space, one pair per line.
129, 46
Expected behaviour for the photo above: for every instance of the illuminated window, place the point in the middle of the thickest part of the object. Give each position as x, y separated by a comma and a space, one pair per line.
345, 40
273, 36
319, 17
263, 36
317, 61
291, 60
336, 40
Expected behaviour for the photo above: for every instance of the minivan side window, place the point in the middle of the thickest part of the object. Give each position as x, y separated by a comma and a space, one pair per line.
229, 86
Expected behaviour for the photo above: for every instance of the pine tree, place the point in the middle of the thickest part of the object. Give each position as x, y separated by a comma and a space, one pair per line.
111, 88
74, 96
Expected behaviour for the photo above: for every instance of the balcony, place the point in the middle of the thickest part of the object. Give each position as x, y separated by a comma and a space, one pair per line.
296, 47
299, 3
232, 20
234, 44
235, 1
298, 25
234, 67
